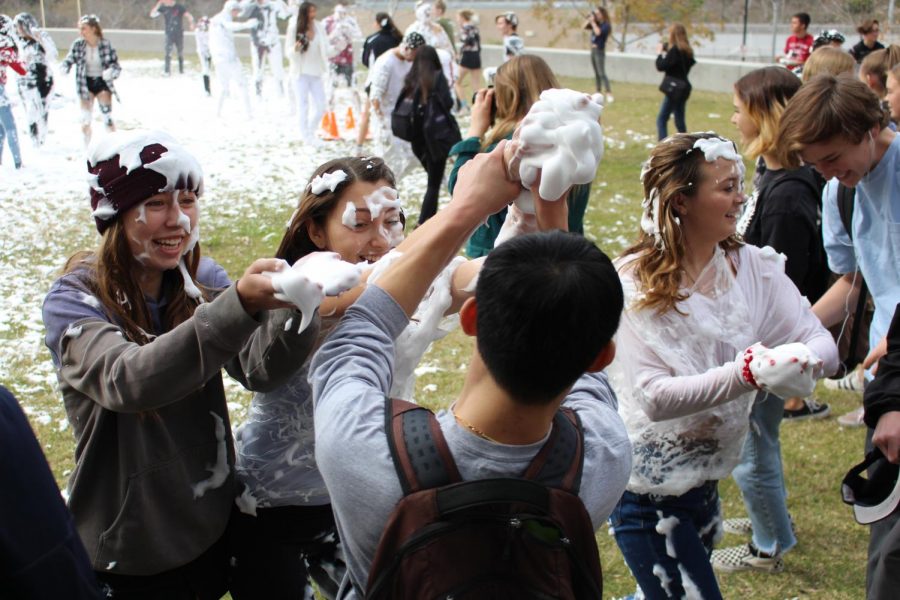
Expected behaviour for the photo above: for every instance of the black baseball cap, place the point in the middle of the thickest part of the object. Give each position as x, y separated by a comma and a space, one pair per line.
877, 496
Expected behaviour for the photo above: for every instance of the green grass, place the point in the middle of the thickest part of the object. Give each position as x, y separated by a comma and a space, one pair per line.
829, 561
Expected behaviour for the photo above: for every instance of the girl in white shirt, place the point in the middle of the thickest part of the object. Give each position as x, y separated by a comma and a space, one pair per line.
707, 323
308, 49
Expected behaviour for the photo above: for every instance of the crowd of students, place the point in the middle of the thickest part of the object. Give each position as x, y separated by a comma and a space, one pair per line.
712, 320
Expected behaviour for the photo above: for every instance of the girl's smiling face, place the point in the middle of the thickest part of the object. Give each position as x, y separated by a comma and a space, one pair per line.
362, 226
159, 229
711, 214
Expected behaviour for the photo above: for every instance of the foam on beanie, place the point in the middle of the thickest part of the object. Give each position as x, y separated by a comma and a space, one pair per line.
125, 168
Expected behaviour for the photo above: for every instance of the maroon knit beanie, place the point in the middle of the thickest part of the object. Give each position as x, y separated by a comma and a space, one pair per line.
127, 170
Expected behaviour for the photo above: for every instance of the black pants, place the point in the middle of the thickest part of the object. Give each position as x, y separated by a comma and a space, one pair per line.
204, 578
279, 550
883, 566
176, 40
435, 167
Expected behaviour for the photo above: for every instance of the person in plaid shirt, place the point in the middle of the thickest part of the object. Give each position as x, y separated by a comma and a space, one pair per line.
8, 56
96, 66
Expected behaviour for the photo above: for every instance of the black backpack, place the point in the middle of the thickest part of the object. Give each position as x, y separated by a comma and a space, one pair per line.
846, 198
528, 537
402, 118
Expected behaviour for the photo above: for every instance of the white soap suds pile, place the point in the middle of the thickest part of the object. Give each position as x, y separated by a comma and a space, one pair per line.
219, 471
561, 138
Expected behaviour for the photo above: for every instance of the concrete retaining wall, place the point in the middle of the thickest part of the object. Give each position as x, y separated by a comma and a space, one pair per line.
709, 74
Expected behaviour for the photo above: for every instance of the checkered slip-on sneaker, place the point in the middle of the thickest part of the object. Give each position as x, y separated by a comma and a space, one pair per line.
745, 558
741, 526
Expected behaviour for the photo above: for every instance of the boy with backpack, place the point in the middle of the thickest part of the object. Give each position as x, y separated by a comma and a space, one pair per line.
504, 471
837, 125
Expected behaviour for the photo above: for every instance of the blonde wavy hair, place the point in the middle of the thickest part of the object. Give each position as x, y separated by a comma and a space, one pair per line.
672, 170
517, 85
764, 93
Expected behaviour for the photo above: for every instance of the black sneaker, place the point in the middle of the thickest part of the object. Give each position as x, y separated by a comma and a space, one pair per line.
811, 409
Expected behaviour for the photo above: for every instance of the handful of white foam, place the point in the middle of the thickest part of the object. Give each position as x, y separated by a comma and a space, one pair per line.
561, 137
310, 279
788, 371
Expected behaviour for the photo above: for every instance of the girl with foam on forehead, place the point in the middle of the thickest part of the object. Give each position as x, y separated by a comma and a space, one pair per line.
139, 331
708, 321
350, 207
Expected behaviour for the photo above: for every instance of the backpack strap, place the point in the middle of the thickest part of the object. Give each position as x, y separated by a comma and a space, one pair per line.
419, 450
560, 461
846, 198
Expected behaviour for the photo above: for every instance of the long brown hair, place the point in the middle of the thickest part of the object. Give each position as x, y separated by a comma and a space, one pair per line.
315, 208
304, 25
673, 169
678, 39
517, 85
113, 279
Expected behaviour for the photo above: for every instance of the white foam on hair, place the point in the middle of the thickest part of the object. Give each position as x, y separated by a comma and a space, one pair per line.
327, 181
190, 288
105, 210
561, 137
176, 164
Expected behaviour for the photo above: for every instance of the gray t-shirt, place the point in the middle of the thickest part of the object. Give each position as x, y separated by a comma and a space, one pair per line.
351, 373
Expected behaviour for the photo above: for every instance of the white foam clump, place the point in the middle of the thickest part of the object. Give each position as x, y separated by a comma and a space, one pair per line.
73, 331
310, 279
664, 580
788, 371
561, 138
384, 198
112, 565
327, 181
518, 222
105, 210
246, 502
714, 148
769, 253
90, 300
219, 471
348, 218
665, 526
423, 329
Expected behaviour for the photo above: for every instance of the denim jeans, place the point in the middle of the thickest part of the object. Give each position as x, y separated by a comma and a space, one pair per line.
8, 131
668, 557
669, 107
598, 61
761, 478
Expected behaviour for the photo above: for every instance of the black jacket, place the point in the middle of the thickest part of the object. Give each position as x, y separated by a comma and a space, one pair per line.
377, 44
883, 394
675, 63
435, 127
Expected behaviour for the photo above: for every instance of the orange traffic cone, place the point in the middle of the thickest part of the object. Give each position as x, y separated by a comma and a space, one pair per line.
329, 125
349, 121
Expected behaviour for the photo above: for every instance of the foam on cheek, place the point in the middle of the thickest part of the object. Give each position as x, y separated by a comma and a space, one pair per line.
327, 181
562, 138
183, 220
142, 214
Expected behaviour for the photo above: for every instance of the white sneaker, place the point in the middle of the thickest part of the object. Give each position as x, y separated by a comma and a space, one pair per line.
610, 99
745, 558
854, 418
851, 382
741, 526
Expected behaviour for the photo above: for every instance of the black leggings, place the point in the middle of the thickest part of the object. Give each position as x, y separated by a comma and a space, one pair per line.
435, 168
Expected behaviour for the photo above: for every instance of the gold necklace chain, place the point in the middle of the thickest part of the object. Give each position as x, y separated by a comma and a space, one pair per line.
471, 427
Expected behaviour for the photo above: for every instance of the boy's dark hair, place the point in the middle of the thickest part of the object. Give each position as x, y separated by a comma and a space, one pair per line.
547, 305
827, 107
803, 18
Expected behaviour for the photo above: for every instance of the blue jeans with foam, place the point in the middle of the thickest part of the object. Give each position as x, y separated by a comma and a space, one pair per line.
761, 478
669, 557
8, 129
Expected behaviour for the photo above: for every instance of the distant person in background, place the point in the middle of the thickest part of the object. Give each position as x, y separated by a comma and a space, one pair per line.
675, 58
868, 30
41, 555
342, 29
598, 23
221, 46
434, 34
829, 37
508, 24
96, 66
435, 129
38, 53
201, 36
892, 98
440, 8
827, 60
265, 40
173, 13
874, 68
469, 55
385, 38
799, 44
9, 56
308, 49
